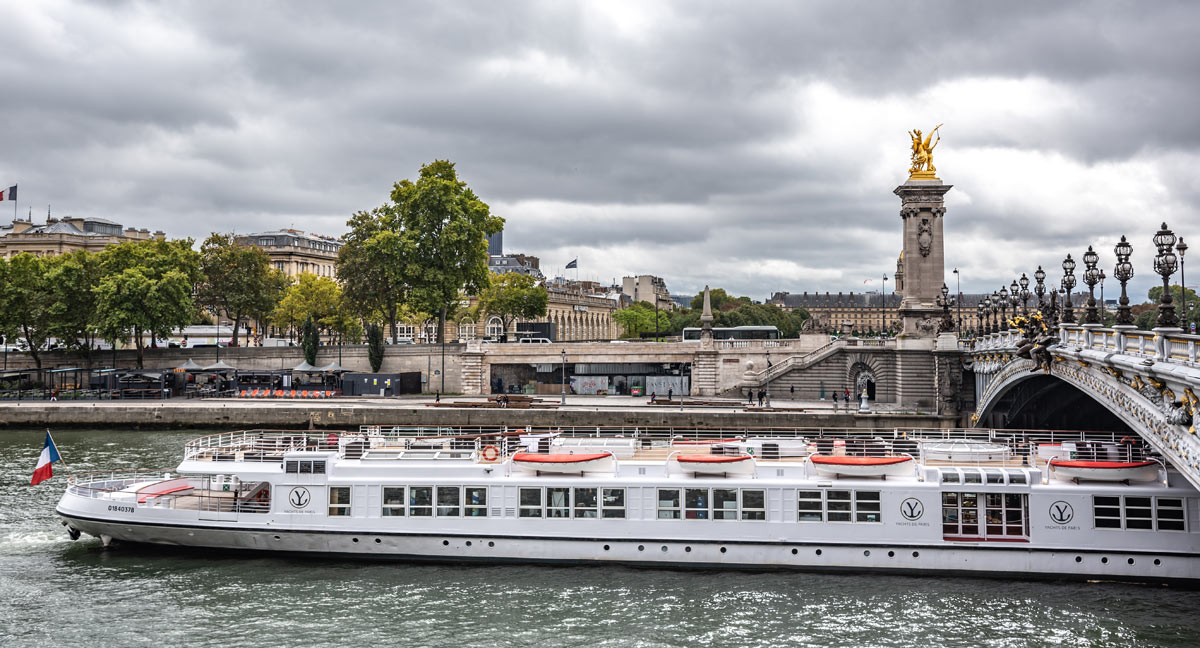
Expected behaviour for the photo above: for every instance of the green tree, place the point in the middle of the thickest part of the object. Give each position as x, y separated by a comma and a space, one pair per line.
512, 296
310, 340
1177, 297
72, 280
311, 296
719, 300
238, 279
375, 347
639, 318
371, 265
29, 303
146, 290
445, 226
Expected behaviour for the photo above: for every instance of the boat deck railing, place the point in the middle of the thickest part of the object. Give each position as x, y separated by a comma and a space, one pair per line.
185, 492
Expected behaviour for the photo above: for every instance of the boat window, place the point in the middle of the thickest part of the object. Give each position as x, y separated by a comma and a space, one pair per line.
972, 476
420, 501
449, 501
318, 467
1138, 513
305, 467
1169, 514
994, 476
838, 506
975, 516
614, 503
586, 503
476, 498
754, 504
558, 502
696, 500
1106, 512
339, 500
1014, 514
1017, 477
725, 503
950, 477
866, 506
668, 503
530, 503
292, 467
809, 506
393, 501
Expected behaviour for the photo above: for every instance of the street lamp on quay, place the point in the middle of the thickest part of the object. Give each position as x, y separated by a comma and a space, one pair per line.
883, 307
1024, 294
958, 289
1091, 277
1102, 311
768, 377
563, 385
995, 307
1068, 284
979, 308
1182, 247
1002, 295
1123, 272
1039, 288
1014, 298
1165, 263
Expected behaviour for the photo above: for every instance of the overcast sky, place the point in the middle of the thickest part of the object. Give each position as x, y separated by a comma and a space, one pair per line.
749, 145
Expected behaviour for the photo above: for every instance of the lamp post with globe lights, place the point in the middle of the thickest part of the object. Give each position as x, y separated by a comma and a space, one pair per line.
1068, 284
1091, 277
1039, 288
1002, 296
1014, 299
1165, 263
946, 302
1025, 294
1182, 247
1103, 312
979, 327
1123, 272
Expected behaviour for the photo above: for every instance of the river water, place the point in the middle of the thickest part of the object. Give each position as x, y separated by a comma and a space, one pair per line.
57, 592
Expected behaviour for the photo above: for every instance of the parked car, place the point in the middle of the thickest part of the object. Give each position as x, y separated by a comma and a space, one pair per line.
540, 340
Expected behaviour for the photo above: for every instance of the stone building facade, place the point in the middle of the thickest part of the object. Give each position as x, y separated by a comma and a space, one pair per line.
294, 251
66, 235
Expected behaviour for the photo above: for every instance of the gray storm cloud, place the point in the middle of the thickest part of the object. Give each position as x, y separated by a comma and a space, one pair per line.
750, 146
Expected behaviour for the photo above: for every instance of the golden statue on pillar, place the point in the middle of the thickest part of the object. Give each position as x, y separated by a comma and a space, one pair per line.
922, 154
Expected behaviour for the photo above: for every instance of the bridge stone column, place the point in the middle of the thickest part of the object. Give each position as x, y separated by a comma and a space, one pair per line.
923, 257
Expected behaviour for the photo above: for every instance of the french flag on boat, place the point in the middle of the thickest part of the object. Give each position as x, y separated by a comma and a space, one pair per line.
49, 455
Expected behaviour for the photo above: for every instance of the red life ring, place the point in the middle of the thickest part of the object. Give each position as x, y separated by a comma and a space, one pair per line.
490, 453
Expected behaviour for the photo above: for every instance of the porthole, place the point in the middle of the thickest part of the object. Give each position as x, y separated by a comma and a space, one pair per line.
354, 539
641, 547
1131, 561
606, 547
795, 551
916, 554
818, 552
687, 549
723, 550
445, 543
493, 544
664, 548
1104, 560
468, 543
278, 538
1157, 561
867, 552
1078, 559
377, 541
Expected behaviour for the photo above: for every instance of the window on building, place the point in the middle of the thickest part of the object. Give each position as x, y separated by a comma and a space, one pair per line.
339, 500
449, 501
530, 503
668, 503
393, 501
420, 501
495, 328
466, 331
404, 331
475, 498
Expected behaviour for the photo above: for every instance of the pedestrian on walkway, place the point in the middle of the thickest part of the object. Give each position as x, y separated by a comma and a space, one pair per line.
437, 397
653, 397
670, 393
762, 395
792, 389
847, 395
749, 396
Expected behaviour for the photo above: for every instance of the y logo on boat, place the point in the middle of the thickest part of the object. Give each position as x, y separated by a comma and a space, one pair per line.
299, 497
1061, 512
912, 509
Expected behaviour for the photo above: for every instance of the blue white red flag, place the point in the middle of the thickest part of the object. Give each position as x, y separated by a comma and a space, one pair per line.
49, 455
9, 194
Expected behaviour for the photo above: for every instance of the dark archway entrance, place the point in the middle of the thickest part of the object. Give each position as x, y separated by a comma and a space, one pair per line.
1048, 403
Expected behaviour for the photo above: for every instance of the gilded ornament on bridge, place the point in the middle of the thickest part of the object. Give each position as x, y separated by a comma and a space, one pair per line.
922, 154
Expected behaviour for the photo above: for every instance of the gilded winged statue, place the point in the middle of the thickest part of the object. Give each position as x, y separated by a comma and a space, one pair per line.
922, 152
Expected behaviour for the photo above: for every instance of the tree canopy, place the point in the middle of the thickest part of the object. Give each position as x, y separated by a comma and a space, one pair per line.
237, 280
28, 307
372, 265
639, 318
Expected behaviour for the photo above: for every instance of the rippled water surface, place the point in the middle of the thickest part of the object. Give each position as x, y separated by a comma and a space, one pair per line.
57, 592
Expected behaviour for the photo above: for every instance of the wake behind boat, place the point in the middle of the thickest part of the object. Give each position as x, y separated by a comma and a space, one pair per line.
804, 499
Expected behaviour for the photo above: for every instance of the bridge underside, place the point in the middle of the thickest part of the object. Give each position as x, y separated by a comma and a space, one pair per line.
1048, 403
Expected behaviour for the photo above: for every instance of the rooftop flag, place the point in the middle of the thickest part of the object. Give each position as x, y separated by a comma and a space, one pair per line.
44, 469
573, 264
9, 194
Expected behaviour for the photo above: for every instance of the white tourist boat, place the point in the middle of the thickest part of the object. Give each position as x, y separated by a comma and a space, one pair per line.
474, 496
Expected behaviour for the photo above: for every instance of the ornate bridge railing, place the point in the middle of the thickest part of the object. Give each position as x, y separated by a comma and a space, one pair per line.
1149, 379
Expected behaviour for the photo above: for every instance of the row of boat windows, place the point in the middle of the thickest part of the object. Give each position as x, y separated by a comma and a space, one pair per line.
839, 506
988, 515
305, 467
1144, 513
983, 476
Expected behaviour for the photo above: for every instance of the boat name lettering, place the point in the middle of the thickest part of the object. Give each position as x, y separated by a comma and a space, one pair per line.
120, 509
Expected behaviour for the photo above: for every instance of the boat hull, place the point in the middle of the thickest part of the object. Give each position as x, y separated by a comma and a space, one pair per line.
913, 559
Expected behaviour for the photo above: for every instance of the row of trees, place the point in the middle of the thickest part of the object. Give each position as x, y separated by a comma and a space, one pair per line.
728, 311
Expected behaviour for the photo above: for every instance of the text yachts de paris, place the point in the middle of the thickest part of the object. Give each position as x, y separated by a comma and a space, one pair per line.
968, 502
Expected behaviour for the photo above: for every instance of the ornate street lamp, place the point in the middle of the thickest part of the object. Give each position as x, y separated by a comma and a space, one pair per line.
1165, 264
1182, 247
1123, 272
1091, 277
979, 308
1068, 284
1103, 314
1040, 288
1025, 294
1002, 296
945, 301
563, 384
1014, 298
